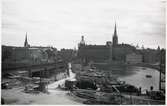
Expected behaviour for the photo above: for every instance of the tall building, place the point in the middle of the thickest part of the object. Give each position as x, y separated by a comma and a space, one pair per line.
115, 37
95, 53
26, 42
134, 58
112, 52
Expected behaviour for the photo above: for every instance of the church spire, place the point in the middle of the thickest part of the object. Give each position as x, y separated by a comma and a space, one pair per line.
115, 30
26, 38
26, 42
115, 37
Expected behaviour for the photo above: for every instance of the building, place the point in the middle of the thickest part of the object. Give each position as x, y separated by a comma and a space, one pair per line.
120, 51
27, 54
134, 58
95, 53
66, 55
111, 52
151, 55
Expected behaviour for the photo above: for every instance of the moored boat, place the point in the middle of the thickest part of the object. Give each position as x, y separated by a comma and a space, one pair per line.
148, 76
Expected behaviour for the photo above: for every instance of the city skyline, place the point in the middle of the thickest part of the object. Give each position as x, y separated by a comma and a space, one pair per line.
62, 23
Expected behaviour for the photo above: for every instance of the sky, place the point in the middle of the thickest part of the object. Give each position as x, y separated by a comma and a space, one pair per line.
61, 23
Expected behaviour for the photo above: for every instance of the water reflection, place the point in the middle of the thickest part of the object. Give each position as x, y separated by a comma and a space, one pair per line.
135, 76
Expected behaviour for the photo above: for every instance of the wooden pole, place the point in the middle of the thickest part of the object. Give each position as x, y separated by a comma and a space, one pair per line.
160, 77
161, 66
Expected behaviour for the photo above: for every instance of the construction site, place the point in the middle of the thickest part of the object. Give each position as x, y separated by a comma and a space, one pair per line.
86, 85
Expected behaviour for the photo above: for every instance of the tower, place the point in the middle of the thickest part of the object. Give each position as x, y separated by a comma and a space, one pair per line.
81, 49
115, 37
26, 42
82, 42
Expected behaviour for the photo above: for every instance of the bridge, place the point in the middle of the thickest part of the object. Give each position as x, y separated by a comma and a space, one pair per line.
45, 68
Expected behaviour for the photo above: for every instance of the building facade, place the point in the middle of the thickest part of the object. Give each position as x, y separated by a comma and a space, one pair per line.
120, 51
95, 53
111, 52
134, 58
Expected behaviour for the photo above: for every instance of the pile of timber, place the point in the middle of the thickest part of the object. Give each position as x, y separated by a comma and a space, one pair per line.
99, 77
97, 97
83, 93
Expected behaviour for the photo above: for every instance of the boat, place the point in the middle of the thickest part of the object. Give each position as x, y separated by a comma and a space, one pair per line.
148, 76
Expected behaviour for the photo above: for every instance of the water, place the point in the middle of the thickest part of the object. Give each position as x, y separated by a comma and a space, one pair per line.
133, 75
137, 76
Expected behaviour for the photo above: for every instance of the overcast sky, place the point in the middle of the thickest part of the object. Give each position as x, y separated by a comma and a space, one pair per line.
61, 23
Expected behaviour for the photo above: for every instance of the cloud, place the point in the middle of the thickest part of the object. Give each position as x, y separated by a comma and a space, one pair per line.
61, 23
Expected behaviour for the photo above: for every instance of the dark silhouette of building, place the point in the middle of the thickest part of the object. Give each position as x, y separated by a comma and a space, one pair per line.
150, 55
95, 53
120, 51
111, 52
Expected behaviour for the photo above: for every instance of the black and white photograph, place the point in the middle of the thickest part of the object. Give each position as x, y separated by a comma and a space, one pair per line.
83, 52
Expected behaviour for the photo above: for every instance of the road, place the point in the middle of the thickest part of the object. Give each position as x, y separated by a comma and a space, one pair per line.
16, 96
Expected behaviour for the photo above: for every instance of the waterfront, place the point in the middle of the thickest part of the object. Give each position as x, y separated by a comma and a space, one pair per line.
137, 76
132, 75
